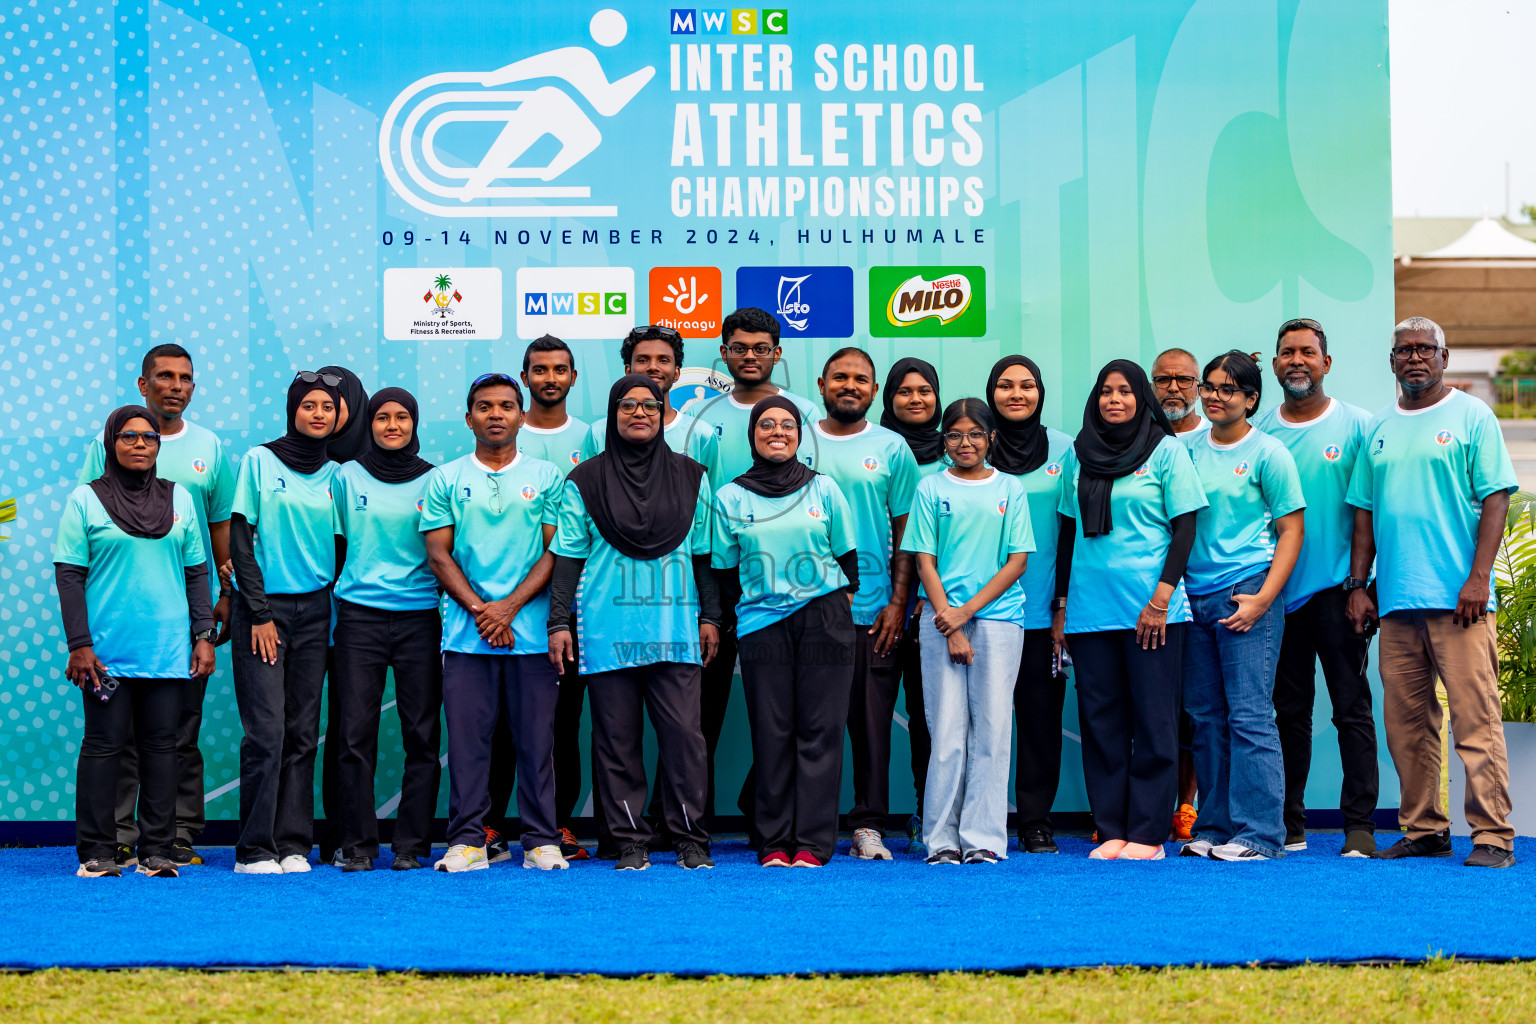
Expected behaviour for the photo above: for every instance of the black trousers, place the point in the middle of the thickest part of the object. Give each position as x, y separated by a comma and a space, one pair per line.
1038, 696
568, 705
332, 806
669, 692
143, 712
1319, 631
871, 702
280, 713
191, 817
369, 642
798, 673
1128, 709
909, 667
714, 698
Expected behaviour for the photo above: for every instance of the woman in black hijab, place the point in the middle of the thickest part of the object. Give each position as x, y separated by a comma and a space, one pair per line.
1028, 449
638, 516
784, 536
282, 543
351, 438
387, 617
133, 589
1130, 494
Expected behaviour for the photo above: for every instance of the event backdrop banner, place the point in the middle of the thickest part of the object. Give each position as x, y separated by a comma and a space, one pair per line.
417, 192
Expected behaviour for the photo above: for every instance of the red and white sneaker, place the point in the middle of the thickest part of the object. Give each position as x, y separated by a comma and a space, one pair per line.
804, 859
776, 859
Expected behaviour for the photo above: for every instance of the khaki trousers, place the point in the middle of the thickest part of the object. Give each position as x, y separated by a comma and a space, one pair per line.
1416, 647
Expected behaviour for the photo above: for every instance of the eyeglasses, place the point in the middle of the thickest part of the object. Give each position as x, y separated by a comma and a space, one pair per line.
1403, 353
768, 426
654, 332
132, 437
495, 492
491, 378
330, 380
1170, 383
649, 405
1226, 391
955, 439
762, 350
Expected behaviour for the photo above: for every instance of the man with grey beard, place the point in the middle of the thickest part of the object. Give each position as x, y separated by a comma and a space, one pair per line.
1324, 436
1175, 374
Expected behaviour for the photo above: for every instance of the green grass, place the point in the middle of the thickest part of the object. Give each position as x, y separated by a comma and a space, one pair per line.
1441, 989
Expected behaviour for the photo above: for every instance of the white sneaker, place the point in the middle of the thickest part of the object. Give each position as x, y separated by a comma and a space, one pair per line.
294, 864
259, 867
1197, 848
1236, 852
867, 845
463, 858
545, 858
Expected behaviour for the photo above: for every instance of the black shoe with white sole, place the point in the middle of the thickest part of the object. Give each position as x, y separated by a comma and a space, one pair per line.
1038, 840
691, 856
1487, 856
1436, 844
406, 862
634, 858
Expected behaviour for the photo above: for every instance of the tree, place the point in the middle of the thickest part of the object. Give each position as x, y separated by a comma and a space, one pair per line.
1520, 363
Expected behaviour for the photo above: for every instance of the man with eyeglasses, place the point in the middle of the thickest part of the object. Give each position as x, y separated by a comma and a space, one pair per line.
1324, 436
488, 518
192, 456
657, 352
1431, 493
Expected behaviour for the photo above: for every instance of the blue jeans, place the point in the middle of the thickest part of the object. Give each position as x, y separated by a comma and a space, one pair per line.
1229, 682
965, 804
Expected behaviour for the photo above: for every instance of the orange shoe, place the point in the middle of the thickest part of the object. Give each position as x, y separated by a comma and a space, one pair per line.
1184, 823
570, 849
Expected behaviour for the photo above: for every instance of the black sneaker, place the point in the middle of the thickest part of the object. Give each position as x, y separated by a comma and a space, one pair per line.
1039, 840
1486, 856
156, 866
1295, 842
690, 855
99, 867
634, 858
944, 857
406, 862
124, 857
182, 853
981, 857
1437, 844
352, 864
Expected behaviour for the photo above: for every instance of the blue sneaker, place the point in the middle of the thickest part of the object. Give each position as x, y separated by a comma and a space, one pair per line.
915, 844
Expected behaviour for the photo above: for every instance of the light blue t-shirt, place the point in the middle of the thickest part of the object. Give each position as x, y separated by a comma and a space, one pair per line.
786, 547
1325, 450
386, 564
729, 418
135, 587
878, 476
293, 517
1247, 485
560, 447
498, 519
970, 527
1424, 474
927, 469
1115, 574
1043, 489
684, 434
633, 611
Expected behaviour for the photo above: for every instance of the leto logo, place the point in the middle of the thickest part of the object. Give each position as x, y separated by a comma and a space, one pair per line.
927, 302
499, 183
809, 302
719, 22
687, 299
575, 302
1332, 453
1444, 437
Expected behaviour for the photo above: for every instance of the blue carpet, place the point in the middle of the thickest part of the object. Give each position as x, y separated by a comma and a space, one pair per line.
741, 919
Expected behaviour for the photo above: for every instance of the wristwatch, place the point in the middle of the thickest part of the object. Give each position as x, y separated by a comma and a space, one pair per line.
1058, 604
207, 634
1350, 583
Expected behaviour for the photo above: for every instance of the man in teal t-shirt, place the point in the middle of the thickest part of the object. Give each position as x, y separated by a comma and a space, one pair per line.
877, 474
193, 457
1432, 491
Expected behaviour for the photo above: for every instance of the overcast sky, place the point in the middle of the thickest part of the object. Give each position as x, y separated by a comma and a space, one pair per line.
1463, 102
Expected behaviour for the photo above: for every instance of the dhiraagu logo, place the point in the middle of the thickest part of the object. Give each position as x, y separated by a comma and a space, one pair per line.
928, 302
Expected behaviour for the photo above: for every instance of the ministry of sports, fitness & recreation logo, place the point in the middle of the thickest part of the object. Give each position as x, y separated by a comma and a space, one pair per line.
498, 185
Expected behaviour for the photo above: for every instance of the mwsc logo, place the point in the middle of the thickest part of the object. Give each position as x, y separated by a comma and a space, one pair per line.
575, 302
684, 21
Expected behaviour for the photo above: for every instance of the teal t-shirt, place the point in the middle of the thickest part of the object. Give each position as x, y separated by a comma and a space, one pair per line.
1424, 474
970, 527
684, 434
1325, 450
927, 469
1115, 574
729, 419
498, 519
1043, 489
1247, 485
386, 564
633, 611
560, 447
878, 476
293, 516
195, 459
135, 587
786, 547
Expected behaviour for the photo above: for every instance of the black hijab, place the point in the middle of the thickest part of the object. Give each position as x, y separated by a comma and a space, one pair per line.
1020, 447
138, 501
296, 450
923, 438
766, 477
402, 465
1108, 451
352, 440
641, 497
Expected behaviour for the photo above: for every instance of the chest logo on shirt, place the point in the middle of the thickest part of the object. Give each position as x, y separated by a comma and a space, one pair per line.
464, 493
1002, 507
575, 456
528, 492
1381, 443
1444, 437
814, 511
200, 465
1054, 469
1141, 470
871, 463
360, 503
1332, 453
421, 504
175, 518
279, 485
1241, 469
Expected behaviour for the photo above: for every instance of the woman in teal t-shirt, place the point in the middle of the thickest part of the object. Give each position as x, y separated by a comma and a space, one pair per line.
784, 534
133, 588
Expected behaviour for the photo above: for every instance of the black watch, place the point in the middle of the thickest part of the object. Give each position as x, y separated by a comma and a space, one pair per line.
207, 634
1350, 583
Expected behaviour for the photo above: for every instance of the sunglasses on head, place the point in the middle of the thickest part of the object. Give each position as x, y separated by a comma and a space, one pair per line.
654, 332
490, 378
330, 380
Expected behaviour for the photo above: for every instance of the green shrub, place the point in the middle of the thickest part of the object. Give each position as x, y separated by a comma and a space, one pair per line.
1515, 585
